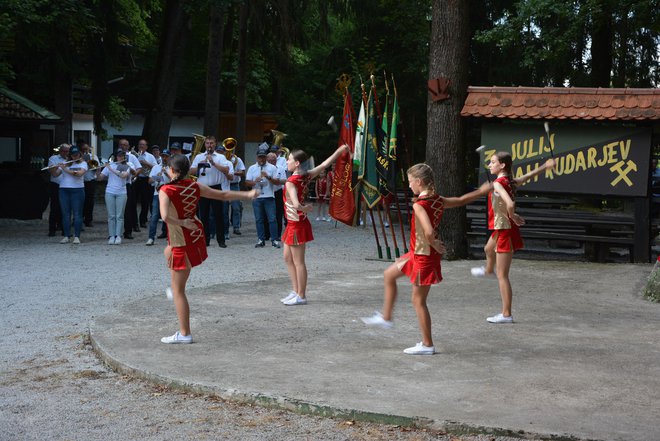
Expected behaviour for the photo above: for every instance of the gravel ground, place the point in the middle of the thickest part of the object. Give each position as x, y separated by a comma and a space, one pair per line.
52, 386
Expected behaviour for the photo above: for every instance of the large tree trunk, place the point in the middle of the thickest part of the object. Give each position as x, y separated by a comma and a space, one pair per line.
241, 78
214, 69
445, 143
602, 41
170, 63
62, 106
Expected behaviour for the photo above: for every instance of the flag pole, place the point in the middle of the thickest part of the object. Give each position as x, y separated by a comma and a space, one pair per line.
396, 196
382, 227
386, 206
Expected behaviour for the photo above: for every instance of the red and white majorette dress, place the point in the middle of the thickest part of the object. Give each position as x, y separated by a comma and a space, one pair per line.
298, 229
508, 233
322, 188
188, 246
422, 263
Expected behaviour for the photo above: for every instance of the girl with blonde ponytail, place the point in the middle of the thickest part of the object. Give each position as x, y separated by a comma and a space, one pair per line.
422, 263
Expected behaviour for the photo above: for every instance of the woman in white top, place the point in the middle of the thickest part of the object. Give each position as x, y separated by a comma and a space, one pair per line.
115, 194
72, 194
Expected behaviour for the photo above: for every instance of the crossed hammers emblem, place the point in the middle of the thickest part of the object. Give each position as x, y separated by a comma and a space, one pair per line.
623, 172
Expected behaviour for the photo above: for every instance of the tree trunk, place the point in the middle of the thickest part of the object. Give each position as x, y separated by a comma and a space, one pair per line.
170, 63
241, 78
214, 69
445, 143
62, 106
602, 41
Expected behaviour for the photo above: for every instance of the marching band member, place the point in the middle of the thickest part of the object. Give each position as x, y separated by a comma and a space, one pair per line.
55, 215
214, 171
260, 176
298, 230
186, 242
422, 264
130, 215
239, 173
143, 191
90, 183
116, 194
504, 223
72, 194
157, 178
278, 184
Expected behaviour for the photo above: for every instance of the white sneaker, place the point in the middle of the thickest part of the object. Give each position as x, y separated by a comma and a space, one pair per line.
118, 240
329, 219
297, 300
480, 271
377, 320
76, 240
291, 295
177, 338
168, 293
64, 240
499, 318
111, 240
149, 242
420, 349
318, 219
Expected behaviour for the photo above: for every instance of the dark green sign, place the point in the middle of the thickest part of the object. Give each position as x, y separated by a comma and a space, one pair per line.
590, 159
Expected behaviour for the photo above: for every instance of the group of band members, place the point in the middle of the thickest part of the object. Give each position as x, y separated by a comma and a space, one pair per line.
136, 176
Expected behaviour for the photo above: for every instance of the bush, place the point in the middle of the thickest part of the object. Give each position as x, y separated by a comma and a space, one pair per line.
652, 290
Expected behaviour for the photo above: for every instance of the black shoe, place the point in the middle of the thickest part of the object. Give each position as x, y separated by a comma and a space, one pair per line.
143, 225
89, 224
237, 232
275, 243
136, 229
222, 245
128, 236
260, 244
161, 236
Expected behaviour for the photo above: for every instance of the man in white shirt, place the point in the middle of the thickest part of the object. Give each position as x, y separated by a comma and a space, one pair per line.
55, 215
262, 176
227, 148
212, 169
144, 191
157, 178
90, 183
130, 215
278, 185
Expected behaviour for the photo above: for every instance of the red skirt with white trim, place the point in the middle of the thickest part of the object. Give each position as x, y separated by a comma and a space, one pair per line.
421, 270
297, 232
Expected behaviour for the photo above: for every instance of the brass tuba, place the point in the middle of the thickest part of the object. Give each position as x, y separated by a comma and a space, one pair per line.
199, 144
278, 137
229, 144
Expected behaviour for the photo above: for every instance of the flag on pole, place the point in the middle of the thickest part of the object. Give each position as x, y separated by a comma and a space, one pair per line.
369, 177
358, 152
342, 199
382, 165
391, 154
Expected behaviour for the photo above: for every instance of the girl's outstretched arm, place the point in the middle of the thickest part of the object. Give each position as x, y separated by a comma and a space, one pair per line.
226, 195
468, 197
550, 163
325, 164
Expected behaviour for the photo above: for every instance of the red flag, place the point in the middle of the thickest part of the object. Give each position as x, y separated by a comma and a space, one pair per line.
342, 199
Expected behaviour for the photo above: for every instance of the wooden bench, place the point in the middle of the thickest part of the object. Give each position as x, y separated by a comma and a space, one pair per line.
596, 231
